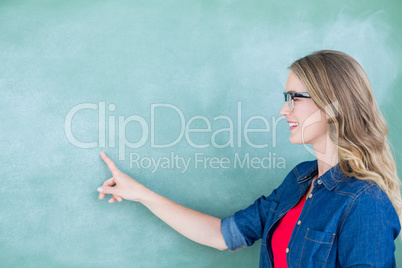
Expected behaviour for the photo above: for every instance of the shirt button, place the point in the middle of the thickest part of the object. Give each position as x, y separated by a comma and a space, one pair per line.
299, 222
287, 250
310, 196
319, 181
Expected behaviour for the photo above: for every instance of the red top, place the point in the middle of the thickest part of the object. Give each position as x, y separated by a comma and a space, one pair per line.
283, 232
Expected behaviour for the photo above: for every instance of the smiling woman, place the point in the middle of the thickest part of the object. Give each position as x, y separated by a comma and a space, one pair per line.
325, 211
339, 87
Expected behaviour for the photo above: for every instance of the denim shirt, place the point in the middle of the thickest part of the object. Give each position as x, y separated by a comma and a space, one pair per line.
344, 222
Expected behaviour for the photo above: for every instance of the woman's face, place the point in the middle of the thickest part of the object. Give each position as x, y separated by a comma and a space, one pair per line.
310, 120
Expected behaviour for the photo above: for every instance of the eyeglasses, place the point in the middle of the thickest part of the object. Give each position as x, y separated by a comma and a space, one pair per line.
289, 96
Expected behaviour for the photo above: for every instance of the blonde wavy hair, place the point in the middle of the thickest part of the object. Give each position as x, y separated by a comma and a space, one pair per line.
339, 86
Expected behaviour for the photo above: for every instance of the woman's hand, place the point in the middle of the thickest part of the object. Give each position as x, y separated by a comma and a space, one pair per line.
199, 227
121, 186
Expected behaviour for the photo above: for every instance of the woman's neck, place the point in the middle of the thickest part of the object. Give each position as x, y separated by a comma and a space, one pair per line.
327, 155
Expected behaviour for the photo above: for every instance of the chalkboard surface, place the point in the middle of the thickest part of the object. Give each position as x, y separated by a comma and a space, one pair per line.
183, 95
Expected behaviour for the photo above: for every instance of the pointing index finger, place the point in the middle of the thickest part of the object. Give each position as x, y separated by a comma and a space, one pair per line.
109, 163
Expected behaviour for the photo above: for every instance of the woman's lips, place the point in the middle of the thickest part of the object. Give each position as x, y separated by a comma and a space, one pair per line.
292, 124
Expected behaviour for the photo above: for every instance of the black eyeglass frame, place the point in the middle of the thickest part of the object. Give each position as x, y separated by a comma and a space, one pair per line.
294, 95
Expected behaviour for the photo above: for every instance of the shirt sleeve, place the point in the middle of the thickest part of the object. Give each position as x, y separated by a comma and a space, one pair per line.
234, 239
247, 225
367, 235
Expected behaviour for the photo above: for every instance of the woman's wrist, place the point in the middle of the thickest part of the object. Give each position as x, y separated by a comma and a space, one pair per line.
144, 195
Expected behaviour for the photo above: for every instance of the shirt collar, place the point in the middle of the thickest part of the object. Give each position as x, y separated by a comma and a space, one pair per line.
330, 179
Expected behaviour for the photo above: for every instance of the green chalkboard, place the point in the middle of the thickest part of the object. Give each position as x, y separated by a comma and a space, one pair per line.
195, 85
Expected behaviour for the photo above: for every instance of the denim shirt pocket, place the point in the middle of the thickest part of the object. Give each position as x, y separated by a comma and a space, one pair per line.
316, 248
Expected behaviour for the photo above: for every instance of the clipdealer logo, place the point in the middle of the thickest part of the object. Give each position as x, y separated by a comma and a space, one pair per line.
237, 133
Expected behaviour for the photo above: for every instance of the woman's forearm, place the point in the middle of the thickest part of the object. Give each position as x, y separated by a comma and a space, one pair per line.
197, 226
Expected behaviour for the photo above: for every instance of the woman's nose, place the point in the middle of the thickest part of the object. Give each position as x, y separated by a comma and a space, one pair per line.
285, 110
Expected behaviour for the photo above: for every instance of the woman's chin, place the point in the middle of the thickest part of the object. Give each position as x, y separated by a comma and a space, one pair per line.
294, 140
